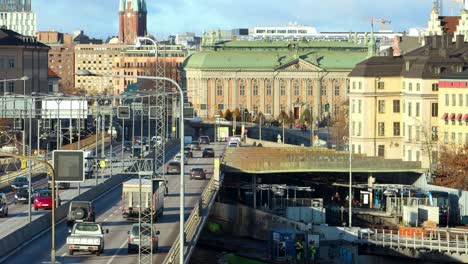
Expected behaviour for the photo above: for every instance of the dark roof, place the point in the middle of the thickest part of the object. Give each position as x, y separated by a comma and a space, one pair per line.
460, 75
12, 38
449, 23
378, 67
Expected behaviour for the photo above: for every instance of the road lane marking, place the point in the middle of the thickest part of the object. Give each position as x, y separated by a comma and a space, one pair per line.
105, 220
116, 253
111, 215
64, 254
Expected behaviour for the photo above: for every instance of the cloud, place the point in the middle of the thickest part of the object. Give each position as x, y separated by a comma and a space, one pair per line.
100, 18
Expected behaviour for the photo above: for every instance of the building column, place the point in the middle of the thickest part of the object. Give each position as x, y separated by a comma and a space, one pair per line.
248, 90
276, 97
317, 101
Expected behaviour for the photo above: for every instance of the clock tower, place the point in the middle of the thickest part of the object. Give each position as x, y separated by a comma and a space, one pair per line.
132, 20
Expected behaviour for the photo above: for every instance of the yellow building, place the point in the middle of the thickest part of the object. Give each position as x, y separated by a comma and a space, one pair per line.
453, 103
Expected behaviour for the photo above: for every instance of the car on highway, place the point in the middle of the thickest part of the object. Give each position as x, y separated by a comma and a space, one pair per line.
110, 157
19, 182
60, 185
127, 146
195, 145
137, 152
173, 167
208, 153
188, 152
86, 236
134, 238
22, 195
178, 157
204, 139
3, 205
43, 200
197, 173
80, 211
233, 145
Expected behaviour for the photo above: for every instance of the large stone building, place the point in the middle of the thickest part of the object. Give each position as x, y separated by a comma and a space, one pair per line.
61, 57
98, 59
453, 109
132, 20
16, 15
142, 61
270, 77
22, 56
394, 100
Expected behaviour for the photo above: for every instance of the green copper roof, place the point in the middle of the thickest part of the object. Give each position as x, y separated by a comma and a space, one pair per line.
122, 5
135, 5
277, 44
269, 60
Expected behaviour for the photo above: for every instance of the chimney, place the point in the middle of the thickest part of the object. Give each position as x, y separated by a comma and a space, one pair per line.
459, 41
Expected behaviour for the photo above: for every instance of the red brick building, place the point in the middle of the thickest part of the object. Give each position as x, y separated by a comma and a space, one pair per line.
132, 20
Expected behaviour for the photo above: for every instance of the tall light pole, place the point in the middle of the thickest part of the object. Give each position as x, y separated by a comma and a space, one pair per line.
181, 125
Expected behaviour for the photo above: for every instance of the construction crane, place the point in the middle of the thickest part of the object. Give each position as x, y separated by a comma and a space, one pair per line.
381, 21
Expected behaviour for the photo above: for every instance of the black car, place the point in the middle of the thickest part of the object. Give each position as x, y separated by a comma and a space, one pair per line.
20, 182
204, 140
22, 195
195, 145
188, 152
208, 153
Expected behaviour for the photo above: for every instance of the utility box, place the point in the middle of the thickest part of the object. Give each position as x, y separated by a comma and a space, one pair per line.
418, 214
314, 215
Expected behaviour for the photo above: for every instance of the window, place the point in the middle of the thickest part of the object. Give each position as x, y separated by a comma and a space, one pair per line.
220, 106
381, 129
359, 149
337, 88
417, 109
435, 109
409, 109
454, 100
11, 87
445, 137
296, 87
381, 106
453, 137
447, 100
203, 106
309, 88
396, 106
354, 85
2, 88
460, 99
255, 88
404, 129
418, 87
435, 133
11, 63
353, 106
242, 88
380, 85
404, 107
359, 106
418, 133
396, 128
268, 87
381, 151
360, 85
219, 87
460, 137
323, 89
410, 133
466, 99
466, 138
353, 127
418, 155
282, 87
435, 87
404, 86
410, 86
359, 129
255, 109
268, 109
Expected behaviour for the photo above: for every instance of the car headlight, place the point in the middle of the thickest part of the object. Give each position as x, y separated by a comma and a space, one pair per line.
1, 208
16, 196
36, 201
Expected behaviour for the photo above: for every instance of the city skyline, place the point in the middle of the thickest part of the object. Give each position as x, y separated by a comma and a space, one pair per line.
101, 20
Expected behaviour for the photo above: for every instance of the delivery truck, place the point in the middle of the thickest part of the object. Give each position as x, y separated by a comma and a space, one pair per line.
149, 188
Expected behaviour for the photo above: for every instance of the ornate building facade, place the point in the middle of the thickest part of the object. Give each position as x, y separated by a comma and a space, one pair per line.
270, 77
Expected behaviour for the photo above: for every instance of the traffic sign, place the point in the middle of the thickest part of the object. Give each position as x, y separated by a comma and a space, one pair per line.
102, 164
68, 165
123, 112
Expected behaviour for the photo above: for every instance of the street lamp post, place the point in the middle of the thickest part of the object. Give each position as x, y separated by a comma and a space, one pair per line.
181, 131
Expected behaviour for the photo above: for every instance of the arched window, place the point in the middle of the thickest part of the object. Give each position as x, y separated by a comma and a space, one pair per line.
282, 87
219, 87
255, 88
241, 88
268, 87
296, 87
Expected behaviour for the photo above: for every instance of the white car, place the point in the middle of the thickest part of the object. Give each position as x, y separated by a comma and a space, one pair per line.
233, 145
178, 158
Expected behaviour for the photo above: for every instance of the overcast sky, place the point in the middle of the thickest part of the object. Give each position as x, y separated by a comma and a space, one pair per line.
99, 18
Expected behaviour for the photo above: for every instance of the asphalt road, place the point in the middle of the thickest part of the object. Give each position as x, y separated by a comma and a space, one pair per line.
18, 213
108, 213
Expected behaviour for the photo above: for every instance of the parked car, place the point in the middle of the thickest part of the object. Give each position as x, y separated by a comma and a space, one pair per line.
86, 237
22, 195
195, 145
208, 153
80, 211
134, 238
188, 152
173, 167
197, 173
43, 200
178, 157
204, 140
19, 182
3, 205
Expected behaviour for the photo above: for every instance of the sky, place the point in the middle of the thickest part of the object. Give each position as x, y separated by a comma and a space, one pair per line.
99, 18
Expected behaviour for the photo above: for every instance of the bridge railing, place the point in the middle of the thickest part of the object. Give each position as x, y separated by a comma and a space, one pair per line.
417, 239
194, 224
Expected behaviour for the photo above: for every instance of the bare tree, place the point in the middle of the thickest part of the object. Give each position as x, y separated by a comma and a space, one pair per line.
340, 127
453, 169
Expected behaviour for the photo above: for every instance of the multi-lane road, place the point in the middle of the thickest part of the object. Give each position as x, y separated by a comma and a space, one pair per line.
108, 213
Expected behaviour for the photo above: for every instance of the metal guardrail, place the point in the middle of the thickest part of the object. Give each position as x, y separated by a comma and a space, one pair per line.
429, 239
193, 225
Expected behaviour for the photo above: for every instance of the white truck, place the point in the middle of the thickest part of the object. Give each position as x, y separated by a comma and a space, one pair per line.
86, 237
131, 197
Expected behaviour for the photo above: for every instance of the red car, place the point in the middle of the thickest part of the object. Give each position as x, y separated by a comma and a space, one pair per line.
43, 200
197, 173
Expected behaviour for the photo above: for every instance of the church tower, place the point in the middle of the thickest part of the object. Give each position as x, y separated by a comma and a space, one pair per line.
132, 20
